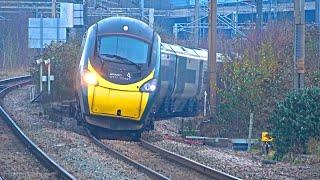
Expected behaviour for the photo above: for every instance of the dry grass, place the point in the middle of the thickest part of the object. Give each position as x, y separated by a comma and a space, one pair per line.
314, 147
7, 73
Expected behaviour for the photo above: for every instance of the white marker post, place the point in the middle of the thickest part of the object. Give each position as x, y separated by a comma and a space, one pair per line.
250, 131
205, 104
39, 62
49, 78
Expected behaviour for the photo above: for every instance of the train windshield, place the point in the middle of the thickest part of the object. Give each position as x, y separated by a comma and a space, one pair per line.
125, 48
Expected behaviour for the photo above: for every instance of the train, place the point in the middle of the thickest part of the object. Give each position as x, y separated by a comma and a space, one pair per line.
183, 81
127, 78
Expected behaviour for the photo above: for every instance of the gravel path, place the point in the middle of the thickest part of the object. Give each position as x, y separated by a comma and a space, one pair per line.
61, 139
241, 164
16, 161
154, 161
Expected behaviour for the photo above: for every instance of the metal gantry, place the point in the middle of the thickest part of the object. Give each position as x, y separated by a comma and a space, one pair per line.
196, 24
103, 12
142, 9
223, 22
3, 18
317, 4
259, 18
299, 43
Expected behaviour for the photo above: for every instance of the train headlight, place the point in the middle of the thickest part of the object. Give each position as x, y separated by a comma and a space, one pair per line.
90, 78
149, 86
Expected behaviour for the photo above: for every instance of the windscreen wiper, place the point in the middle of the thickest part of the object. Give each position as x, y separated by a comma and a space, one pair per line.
107, 57
121, 58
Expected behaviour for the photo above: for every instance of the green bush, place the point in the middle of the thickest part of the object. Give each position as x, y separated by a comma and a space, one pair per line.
64, 61
295, 120
248, 87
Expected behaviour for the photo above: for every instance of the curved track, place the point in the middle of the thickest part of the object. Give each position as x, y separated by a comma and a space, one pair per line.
152, 160
151, 173
215, 174
6, 86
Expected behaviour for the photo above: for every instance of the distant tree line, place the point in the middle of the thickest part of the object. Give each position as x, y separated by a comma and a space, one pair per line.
14, 52
257, 72
257, 77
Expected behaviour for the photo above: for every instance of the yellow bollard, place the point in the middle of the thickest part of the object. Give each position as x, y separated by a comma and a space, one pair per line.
266, 139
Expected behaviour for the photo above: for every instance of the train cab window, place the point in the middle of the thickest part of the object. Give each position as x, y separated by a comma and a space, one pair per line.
123, 47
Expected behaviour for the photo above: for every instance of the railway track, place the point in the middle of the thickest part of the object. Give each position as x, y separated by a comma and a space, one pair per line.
157, 162
6, 86
16, 160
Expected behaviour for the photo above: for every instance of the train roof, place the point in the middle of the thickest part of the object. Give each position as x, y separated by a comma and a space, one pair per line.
116, 25
201, 54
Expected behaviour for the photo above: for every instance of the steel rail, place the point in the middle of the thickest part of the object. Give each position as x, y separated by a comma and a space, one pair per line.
188, 162
41, 155
151, 173
19, 78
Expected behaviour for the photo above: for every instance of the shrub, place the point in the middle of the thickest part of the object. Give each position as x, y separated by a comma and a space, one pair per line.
247, 86
64, 61
295, 120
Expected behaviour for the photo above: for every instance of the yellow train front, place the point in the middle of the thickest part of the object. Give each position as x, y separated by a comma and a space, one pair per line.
118, 75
